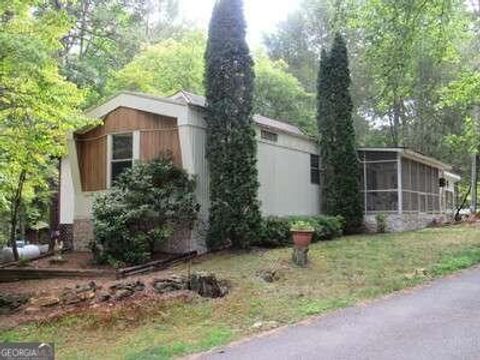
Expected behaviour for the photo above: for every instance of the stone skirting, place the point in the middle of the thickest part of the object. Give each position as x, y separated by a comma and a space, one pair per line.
403, 222
82, 234
181, 242
66, 235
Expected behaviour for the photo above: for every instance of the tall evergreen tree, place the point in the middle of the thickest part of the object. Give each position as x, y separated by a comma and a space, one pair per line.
326, 131
231, 147
341, 189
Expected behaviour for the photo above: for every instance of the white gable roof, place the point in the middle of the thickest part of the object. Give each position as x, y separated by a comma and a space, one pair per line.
169, 106
200, 101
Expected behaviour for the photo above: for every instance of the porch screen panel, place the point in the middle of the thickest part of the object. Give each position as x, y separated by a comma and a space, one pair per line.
382, 201
382, 176
379, 180
420, 191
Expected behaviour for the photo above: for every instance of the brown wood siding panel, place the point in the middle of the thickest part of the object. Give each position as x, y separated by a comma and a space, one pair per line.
92, 156
92, 145
157, 144
125, 119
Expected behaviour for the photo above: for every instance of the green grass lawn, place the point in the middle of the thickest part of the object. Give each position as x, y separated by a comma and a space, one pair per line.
342, 272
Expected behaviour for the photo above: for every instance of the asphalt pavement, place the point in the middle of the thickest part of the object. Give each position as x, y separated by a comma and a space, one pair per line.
436, 322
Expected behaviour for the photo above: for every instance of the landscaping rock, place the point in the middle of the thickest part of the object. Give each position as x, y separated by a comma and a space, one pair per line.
265, 325
130, 286
91, 286
79, 294
207, 285
122, 294
45, 301
103, 296
10, 302
269, 276
70, 298
174, 283
32, 310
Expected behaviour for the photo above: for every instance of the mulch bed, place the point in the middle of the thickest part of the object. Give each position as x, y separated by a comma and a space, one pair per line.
73, 260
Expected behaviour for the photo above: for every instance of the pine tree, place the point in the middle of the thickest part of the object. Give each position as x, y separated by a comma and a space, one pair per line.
231, 146
326, 131
341, 189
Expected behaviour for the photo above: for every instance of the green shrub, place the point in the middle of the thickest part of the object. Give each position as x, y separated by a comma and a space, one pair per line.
275, 233
301, 225
23, 261
143, 208
276, 230
381, 220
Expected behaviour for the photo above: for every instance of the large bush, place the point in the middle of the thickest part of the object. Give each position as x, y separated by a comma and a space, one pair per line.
276, 230
142, 209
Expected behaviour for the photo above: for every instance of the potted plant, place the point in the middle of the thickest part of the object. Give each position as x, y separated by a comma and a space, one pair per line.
302, 233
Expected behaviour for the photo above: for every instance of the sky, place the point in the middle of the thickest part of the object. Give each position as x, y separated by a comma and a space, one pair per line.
262, 16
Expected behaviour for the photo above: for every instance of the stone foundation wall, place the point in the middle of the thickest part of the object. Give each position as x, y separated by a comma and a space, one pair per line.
82, 234
178, 243
66, 235
403, 222
182, 241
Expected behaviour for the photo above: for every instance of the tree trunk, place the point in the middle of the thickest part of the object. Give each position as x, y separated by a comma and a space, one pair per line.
396, 122
474, 184
15, 206
462, 205
83, 27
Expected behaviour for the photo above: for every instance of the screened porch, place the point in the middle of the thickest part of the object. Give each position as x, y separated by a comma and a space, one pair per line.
397, 181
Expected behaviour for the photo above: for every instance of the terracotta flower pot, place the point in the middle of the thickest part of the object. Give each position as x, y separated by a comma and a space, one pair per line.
302, 238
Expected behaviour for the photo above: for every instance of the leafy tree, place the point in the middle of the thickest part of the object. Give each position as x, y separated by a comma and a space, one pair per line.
341, 189
164, 68
231, 146
143, 209
37, 106
410, 44
174, 65
300, 39
279, 95
106, 34
401, 52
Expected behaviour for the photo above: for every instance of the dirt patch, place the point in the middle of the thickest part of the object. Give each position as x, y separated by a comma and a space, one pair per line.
105, 311
55, 298
73, 260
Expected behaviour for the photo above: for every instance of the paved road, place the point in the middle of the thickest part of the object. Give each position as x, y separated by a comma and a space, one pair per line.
440, 321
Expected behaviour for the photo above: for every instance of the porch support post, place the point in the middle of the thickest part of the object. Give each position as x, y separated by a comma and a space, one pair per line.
399, 175
365, 185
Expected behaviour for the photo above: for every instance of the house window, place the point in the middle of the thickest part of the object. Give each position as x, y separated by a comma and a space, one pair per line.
268, 135
314, 169
122, 154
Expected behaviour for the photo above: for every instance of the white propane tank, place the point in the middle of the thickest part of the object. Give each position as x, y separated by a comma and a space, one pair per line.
43, 249
29, 251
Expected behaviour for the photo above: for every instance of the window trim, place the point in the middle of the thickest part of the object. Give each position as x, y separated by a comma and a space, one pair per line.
264, 135
315, 168
135, 152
